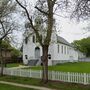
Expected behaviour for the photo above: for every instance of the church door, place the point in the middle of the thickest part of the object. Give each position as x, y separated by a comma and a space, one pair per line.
37, 52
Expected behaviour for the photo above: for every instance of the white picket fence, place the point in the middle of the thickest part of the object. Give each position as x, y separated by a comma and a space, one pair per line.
82, 78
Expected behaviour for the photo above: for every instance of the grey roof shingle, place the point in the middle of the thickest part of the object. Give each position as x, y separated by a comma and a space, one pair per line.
63, 41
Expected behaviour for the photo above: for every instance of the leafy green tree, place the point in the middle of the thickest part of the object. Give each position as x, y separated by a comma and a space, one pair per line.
15, 53
5, 45
83, 45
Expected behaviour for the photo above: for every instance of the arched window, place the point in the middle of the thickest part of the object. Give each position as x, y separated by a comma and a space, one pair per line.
37, 52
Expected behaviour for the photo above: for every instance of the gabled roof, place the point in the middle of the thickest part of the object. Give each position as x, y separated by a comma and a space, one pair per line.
63, 41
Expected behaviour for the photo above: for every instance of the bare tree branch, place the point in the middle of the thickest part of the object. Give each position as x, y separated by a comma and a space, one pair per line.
2, 26
82, 9
41, 11
31, 22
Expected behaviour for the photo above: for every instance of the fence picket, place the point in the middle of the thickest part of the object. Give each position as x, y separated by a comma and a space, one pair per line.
82, 78
68, 76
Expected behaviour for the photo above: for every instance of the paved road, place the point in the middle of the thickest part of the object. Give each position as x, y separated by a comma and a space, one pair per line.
26, 86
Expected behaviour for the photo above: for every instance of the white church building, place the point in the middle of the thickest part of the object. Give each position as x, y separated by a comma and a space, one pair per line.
60, 51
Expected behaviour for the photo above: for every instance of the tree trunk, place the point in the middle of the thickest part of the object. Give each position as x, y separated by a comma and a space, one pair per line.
2, 64
1, 60
2, 67
45, 63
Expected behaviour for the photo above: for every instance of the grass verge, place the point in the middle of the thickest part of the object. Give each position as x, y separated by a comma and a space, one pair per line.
80, 67
10, 87
13, 65
50, 84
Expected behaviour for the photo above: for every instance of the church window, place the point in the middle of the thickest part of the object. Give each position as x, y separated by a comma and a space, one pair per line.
65, 49
62, 49
26, 57
58, 48
33, 39
26, 40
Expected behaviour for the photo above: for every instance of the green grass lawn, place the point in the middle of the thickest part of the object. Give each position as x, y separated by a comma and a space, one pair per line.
13, 65
37, 82
82, 67
10, 87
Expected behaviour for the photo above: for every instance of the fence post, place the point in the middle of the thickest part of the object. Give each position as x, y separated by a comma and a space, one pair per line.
85, 81
68, 76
